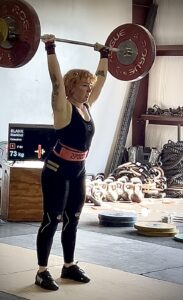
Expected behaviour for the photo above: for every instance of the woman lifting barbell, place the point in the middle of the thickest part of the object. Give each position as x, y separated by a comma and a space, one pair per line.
63, 175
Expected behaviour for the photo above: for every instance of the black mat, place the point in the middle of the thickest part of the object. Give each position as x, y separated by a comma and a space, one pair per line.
90, 222
6, 296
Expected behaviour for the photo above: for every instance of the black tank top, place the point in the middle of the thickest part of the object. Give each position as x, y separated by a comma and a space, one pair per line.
78, 134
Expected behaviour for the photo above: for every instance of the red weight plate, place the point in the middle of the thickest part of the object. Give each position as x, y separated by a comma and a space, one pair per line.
19, 51
137, 53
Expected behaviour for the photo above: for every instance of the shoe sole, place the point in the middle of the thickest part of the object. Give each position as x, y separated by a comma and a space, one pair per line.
46, 288
67, 277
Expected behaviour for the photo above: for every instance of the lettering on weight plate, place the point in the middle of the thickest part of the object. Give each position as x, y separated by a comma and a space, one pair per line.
115, 39
22, 16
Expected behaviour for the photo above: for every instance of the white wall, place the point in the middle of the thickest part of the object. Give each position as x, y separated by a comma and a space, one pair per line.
166, 75
25, 91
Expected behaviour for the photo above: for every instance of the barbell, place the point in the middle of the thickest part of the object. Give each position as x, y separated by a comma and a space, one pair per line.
132, 47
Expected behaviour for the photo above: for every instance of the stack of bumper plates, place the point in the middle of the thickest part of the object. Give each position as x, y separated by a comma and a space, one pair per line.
117, 219
156, 229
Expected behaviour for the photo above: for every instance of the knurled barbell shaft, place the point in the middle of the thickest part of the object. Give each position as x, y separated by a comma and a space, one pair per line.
84, 44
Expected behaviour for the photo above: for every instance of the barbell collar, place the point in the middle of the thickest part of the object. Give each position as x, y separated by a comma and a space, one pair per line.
3, 30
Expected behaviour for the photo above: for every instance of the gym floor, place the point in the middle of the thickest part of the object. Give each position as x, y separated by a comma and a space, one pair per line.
121, 263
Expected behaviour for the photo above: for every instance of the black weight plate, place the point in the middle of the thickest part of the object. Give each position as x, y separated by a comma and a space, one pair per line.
116, 224
117, 216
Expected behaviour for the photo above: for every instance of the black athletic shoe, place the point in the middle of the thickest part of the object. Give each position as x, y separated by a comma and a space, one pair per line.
75, 273
45, 281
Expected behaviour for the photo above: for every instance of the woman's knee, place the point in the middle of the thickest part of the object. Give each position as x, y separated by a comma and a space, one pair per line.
70, 221
50, 222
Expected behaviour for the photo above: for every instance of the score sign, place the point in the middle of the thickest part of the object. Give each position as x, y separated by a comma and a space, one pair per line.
15, 143
30, 141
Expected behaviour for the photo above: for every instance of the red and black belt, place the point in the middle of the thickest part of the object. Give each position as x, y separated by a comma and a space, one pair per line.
69, 153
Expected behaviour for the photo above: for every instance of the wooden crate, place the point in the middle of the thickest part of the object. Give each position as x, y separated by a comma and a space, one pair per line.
21, 195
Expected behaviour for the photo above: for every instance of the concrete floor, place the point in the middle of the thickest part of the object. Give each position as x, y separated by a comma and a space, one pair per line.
117, 248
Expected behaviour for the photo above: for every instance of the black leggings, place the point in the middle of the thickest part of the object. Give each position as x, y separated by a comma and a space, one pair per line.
63, 200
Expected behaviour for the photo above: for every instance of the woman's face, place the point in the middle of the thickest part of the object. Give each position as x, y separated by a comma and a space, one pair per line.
81, 91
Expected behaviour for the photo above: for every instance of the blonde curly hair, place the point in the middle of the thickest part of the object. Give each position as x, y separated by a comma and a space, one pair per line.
74, 76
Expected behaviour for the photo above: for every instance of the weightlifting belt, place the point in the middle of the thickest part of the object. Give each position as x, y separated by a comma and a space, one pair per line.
68, 153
